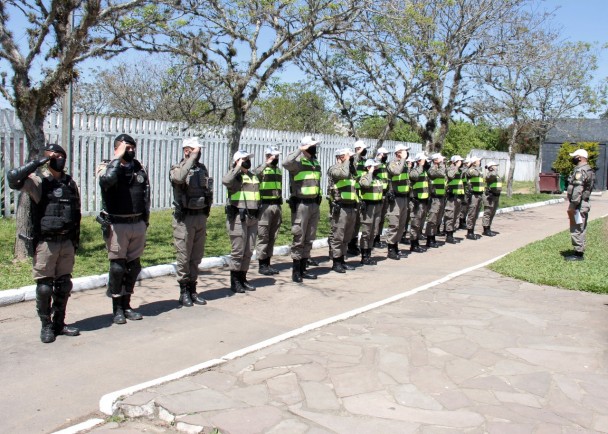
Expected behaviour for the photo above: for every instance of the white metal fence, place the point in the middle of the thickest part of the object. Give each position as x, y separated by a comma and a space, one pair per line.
158, 147
525, 165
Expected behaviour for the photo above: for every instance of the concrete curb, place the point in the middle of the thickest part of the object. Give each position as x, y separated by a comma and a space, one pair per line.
26, 293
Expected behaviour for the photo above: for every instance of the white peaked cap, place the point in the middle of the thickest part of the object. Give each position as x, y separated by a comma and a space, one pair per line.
191, 142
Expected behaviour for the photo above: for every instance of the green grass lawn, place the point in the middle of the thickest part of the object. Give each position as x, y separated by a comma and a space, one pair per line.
542, 262
91, 258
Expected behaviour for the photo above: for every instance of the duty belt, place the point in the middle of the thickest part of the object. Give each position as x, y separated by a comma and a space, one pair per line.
401, 194
373, 202
314, 200
347, 205
278, 201
191, 211
251, 212
115, 219
57, 238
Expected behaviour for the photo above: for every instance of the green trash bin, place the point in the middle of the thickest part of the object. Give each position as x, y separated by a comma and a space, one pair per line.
562, 182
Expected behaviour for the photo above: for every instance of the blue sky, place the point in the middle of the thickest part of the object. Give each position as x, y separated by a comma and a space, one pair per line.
584, 20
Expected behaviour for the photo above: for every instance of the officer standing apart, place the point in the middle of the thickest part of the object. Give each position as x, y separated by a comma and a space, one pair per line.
56, 220
437, 175
125, 194
344, 207
271, 215
491, 197
241, 218
420, 196
454, 197
580, 185
371, 193
397, 197
476, 186
305, 188
193, 197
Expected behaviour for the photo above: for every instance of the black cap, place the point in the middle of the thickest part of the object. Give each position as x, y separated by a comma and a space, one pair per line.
125, 138
54, 147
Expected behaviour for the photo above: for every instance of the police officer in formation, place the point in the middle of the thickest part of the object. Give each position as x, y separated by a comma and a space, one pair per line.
344, 200
580, 185
271, 215
305, 189
454, 196
476, 188
371, 194
193, 197
437, 179
357, 160
493, 188
241, 218
381, 172
397, 197
420, 196
56, 235
125, 193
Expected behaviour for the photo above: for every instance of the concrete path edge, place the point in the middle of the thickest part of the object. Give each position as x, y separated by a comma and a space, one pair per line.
26, 293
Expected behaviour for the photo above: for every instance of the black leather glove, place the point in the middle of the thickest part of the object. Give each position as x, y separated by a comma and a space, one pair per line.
17, 176
42, 161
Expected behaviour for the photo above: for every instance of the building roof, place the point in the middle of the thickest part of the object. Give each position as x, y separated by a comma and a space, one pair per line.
578, 130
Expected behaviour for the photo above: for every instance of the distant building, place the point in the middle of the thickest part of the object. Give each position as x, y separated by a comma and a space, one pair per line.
578, 130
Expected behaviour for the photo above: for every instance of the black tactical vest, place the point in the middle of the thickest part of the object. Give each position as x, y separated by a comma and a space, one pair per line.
128, 195
58, 212
197, 188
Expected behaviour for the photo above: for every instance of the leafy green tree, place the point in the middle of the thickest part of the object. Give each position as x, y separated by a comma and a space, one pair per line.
464, 136
293, 107
563, 163
374, 126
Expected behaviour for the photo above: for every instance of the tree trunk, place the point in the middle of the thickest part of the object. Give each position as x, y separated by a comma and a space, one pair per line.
512, 143
539, 166
33, 127
388, 128
238, 125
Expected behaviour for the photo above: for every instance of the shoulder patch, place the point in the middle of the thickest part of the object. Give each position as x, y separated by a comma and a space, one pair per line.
578, 175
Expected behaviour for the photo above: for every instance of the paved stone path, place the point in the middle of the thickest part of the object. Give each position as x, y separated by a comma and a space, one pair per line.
481, 354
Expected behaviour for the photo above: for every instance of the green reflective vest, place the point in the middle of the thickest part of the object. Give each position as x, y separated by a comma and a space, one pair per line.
401, 183
477, 184
307, 182
347, 191
496, 186
438, 186
360, 172
374, 191
271, 185
456, 187
421, 187
249, 194
382, 174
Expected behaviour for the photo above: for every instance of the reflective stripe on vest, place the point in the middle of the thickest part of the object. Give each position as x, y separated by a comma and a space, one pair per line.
438, 186
374, 191
495, 187
382, 174
249, 194
360, 172
347, 190
421, 188
456, 186
308, 181
477, 184
401, 183
271, 185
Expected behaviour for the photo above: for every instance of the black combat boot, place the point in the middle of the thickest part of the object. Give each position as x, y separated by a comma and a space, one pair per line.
61, 293
44, 292
352, 247
296, 275
47, 335
264, 267
184, 295
337, 266
118, 312
312, 262
346, 266
196, 298
404, 239
463, 224
244, 282
235, 283
270, 267
415, 247
305, 274
393, 252
430, 242
471, 234
130, 314
366, 257
487, 232
578, 256
378, 243
450, 238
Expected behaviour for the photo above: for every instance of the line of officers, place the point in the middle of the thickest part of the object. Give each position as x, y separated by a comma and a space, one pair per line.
363, 193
